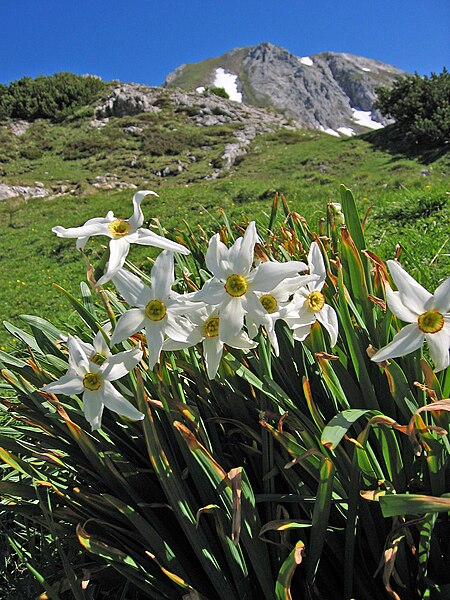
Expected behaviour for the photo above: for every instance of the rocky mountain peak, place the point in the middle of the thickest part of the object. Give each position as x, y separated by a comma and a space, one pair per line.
330, 91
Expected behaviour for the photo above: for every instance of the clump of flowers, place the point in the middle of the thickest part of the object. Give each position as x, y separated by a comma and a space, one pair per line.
242, 421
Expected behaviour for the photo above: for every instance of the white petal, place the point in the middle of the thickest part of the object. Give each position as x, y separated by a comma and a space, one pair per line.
78, 361
397, 307
231, 318
118, 365
297, 313
412, 294
87, 348
213, 350
270, 274
192, 339
213, 292
252, 326
155, 338
145, 237
241, 341
162, 275
84, 231
93, 408
99, 344
256, 310
129, 323
274, 341
291, 285
316, 266
439, 345
301, 333
118, 251
131, 288
241, 253
217, 258
137, 218
178, 328
70, 383
441, 298
113, 400
407, 340
328, 318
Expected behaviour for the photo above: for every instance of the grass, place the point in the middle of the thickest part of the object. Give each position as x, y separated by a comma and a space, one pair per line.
306, 166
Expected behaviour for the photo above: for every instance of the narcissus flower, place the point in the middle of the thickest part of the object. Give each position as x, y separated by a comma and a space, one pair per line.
275, 304
427, 314
235, 283
206, 320
122, 232
92, 378
309, 304
157, 309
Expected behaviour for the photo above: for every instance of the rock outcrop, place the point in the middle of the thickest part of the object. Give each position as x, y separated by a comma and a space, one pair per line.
328, 91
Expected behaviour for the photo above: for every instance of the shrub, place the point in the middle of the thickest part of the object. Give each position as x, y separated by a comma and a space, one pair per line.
218, 91
420, 107
48, 97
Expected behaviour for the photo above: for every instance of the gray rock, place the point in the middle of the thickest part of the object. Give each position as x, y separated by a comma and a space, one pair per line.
128, 100
18, 126
133, 130
26, 192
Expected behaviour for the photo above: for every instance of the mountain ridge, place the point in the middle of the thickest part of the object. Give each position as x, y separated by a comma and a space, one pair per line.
328, 91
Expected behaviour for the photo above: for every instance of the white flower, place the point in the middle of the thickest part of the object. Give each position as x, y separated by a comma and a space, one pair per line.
122, 232
234, 285
93, 380
158, 309
428, 315
207, 322
98, 351
308, 304
275, 303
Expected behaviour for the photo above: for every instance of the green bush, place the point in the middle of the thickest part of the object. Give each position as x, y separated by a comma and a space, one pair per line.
48, 97
218, 91
420, 107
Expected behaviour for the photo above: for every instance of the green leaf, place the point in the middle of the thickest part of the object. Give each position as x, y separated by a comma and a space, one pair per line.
320, 518
339, 425
393, 505
283, 584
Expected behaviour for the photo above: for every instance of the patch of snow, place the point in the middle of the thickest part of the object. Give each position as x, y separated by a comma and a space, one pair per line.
329, 131
366, 69
346, 131
200, 89
227, 81
364, 118
305, 60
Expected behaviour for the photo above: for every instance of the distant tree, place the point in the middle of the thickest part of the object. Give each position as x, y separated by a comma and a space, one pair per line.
420, 107
48, 97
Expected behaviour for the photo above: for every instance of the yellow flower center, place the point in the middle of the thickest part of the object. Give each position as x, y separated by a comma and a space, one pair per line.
212, 327
269, 302
92, 381
98, 359
119, 228
431, 321
316, 301
236, 285
155, 310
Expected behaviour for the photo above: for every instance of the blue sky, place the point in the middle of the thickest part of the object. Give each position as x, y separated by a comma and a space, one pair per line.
143, 40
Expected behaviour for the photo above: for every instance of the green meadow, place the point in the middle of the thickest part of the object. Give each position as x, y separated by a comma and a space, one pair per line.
407, 198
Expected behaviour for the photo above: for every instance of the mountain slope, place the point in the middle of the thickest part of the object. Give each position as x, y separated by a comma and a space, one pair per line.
328, 91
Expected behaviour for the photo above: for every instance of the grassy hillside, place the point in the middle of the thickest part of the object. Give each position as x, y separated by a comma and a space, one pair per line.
410, 199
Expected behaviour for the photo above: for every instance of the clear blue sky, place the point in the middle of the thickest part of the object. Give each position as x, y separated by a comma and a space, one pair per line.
143, 40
